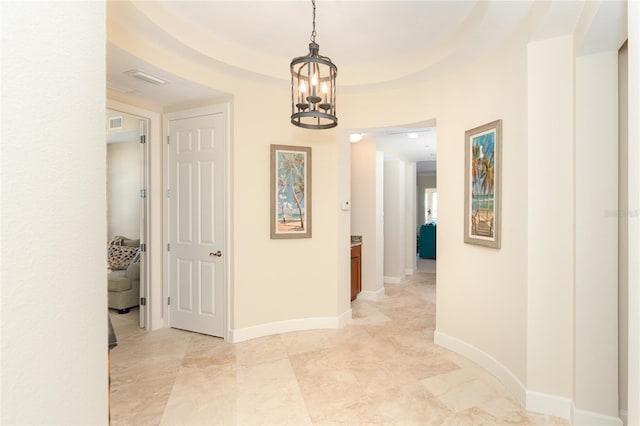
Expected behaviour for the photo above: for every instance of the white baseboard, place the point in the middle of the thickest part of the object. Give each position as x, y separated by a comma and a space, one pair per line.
588, 418
409, 271
374, 296
552, 405
533, 401
392, 280
486, 361
278, 327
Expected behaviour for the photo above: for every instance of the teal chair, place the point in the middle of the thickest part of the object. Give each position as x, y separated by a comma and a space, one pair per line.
427, 241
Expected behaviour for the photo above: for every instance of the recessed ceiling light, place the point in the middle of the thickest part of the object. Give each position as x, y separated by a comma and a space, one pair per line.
412, 135
355, 137
145, 76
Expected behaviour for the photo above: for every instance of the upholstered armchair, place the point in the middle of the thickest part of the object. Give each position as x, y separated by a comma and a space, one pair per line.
124, 288
124, 277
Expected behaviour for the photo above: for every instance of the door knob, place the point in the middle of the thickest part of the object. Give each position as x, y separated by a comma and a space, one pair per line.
216, 254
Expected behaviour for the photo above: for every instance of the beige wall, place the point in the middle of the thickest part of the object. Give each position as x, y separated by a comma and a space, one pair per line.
394, 220
123, 188
410, 245
493, 310
54, 298
379, 213
494, 282
274, 283
365, 220
596, 293
280, 280
550, 217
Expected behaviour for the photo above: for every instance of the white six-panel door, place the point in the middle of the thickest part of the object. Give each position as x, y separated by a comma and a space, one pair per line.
196, 223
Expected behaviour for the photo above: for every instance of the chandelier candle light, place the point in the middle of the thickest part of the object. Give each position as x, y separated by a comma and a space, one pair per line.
313, 87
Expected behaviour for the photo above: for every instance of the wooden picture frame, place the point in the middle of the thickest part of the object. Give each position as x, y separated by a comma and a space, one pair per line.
482, 185
290, 191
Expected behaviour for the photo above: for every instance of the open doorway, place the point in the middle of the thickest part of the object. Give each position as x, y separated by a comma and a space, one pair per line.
387, 201
127, 216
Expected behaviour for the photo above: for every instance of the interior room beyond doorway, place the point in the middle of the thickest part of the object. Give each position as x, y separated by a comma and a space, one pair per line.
127, 158
388, 167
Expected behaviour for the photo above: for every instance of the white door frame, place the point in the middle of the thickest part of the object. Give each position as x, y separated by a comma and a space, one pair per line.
224, 108
144, 217
153, 290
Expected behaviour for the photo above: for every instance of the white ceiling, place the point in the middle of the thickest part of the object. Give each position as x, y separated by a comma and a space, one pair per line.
372, 42
416, 142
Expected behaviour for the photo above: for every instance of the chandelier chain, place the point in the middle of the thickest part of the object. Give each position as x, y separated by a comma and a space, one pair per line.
313, 33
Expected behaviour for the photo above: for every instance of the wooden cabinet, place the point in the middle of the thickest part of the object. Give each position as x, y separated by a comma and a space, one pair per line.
356, 271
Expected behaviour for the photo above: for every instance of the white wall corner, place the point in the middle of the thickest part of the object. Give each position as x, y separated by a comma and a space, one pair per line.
489, 363
588, 418
345, 318
623, 417
279, 327
409, 271
549, 404
374, 296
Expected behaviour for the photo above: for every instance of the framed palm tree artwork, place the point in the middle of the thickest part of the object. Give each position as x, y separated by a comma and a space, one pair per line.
290, 191
482, 188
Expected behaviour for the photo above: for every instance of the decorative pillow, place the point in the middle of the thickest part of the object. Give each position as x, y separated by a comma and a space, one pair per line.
119, 257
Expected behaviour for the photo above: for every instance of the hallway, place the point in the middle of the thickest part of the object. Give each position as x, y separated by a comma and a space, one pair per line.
383, 368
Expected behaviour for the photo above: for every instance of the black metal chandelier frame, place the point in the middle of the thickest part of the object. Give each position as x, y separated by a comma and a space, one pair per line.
313, 87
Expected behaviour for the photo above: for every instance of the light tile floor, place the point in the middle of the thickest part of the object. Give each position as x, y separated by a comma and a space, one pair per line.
382, 369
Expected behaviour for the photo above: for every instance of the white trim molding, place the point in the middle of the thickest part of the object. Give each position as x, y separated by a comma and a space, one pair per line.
392, 280
486, 361
589, 418
374, 296
552, 405
279, 327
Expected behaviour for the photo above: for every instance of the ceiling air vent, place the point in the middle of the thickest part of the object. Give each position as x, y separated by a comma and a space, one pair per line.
148, 77
115, 123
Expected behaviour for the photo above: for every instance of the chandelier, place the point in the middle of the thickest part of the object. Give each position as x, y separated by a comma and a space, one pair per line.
313, 87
